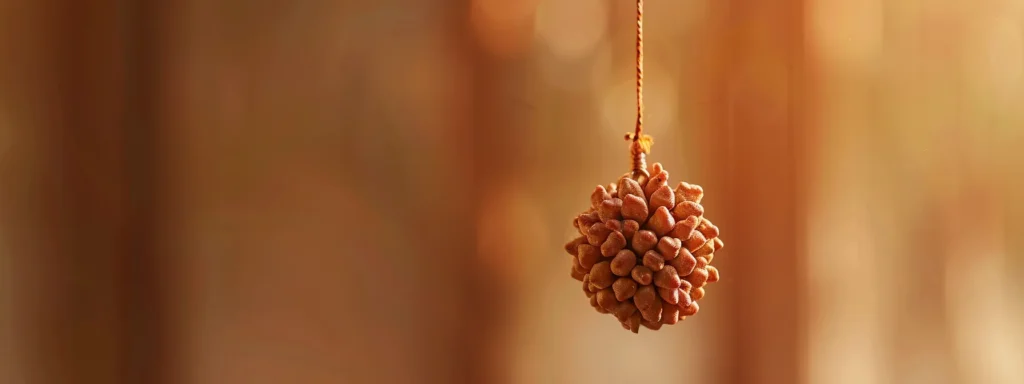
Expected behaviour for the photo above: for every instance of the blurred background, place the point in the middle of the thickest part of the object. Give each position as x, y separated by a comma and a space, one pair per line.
225, 191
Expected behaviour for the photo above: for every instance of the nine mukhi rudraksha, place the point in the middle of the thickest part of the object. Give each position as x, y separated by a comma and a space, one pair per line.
644, 250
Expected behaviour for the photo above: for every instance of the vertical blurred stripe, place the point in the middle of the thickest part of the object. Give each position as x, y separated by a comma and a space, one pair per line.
915, 118
324, 218
759, 134
849, 283
64, 218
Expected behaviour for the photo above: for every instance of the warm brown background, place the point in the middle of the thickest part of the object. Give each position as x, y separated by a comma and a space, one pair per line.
223, 191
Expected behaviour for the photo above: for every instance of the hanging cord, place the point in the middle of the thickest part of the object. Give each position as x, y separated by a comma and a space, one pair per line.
641, 143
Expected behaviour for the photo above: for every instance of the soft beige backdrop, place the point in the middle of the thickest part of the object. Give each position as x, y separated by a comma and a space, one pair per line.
221, 191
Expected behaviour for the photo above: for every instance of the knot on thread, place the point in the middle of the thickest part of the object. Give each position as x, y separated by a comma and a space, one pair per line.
643, 144
639, 147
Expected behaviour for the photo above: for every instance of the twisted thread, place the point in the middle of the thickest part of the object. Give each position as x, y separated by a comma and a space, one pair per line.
639, 69
641, 143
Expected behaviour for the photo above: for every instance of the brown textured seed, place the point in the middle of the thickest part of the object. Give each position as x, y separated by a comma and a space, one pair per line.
624, 310
594, 303
708, 257
684, 297
661, 222
644, 241
642, 275
572, 246
587, 220
623, 262
704, 250
629, 228
695, 241
613, 244
576, 267
651, 325
606, 299
653, 260
663, 197
652, 312
698, 277
697, 294
678, 263
644, 297
597, 234
687, 209
624, 288
634, 322
576, 274
657, 181
610, 209
668, 247
685, 286
629, 186
684, 228
684, 264
588, 256
600, 194
709, 230
601, 275
689, 192
670, 314
614, 225
634, 208
644, 249
670, 295
689, 310
668, 277
656, 168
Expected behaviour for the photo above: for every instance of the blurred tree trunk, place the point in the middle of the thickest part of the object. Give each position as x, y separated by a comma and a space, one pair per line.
320, 214
72, 228
193, 196
757, 131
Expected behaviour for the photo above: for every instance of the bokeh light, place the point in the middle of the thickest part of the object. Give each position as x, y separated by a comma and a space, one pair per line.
571, 28
995, 53
503, 26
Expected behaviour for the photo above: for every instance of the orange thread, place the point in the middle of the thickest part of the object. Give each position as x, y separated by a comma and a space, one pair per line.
641, 144
639, 69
